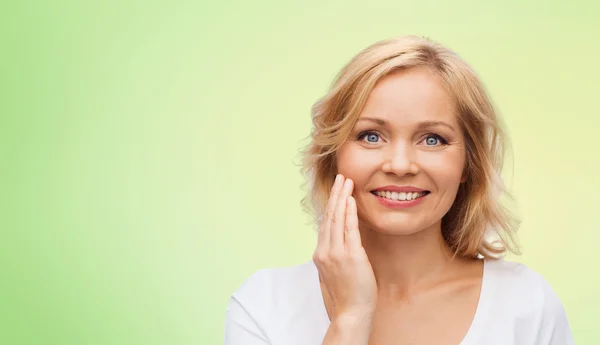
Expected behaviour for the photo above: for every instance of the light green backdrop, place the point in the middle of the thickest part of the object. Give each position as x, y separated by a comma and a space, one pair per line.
148, 150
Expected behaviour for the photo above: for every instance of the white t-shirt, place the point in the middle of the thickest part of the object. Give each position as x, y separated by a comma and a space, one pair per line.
284, 306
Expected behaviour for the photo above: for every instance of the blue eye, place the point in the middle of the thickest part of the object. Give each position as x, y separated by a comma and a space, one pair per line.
434, 140
372, 137
431, 140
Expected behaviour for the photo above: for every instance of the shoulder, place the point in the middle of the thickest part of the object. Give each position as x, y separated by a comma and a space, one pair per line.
519, 281
276, 306
521, 284
513, 276
271, 281
522, 294
277, 288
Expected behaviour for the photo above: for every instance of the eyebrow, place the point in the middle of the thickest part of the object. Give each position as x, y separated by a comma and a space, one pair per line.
420, 125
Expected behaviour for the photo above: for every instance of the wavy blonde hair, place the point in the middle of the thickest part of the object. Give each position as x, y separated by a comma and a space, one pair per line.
477, 224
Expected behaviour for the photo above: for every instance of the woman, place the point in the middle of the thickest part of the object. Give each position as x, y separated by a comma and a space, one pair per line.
404, 169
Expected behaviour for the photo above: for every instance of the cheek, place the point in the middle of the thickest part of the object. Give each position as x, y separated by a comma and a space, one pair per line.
445, 172
449, 174
346, 165
358, 165
350, 161
447, 167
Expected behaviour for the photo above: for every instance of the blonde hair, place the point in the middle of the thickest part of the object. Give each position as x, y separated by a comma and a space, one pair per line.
477, 223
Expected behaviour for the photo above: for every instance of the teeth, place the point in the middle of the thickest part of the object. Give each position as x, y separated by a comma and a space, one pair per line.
400, 195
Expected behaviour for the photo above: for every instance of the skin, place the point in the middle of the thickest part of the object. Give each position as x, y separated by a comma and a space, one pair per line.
387, 275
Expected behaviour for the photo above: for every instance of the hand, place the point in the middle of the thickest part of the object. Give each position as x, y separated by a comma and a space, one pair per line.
342, 262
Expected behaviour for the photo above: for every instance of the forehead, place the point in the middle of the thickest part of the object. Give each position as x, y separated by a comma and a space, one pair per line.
407, 97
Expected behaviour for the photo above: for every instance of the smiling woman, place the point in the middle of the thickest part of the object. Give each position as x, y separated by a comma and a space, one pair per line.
403, 169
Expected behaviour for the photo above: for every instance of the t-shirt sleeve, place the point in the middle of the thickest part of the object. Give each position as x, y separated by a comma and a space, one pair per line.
555, 329
240, 326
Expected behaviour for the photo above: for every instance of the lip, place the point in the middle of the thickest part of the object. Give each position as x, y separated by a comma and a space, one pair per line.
399, 203
400, 189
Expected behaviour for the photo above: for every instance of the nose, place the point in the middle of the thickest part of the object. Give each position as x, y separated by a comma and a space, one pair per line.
400, 159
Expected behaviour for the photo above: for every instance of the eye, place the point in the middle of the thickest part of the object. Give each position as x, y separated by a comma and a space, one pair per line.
372, 137
434, 140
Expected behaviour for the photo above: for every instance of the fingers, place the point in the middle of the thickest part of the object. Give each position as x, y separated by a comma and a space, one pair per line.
324, 228
352, 233
338, 223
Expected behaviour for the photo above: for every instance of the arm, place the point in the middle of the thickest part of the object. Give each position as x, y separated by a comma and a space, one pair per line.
240, 327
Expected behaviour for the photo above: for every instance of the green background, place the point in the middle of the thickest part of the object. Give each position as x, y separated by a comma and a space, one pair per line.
149, 149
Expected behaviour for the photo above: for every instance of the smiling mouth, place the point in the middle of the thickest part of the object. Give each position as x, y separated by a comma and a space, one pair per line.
400, 196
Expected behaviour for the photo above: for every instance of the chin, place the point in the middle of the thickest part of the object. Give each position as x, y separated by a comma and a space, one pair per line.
398, 225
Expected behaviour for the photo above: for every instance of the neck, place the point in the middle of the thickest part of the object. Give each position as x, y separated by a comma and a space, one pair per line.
405, 263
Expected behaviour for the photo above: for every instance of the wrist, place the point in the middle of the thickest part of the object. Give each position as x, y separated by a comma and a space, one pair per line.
354, 319
351, 328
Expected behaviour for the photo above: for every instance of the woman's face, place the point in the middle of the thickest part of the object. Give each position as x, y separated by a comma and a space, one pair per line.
407, 136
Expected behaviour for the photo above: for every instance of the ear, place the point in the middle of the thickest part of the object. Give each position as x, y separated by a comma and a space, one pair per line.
463, 178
